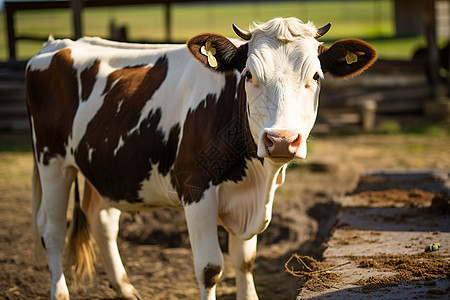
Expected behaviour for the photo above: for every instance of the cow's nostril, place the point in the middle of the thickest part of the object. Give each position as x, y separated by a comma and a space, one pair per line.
296, 142
295, 145
268, 141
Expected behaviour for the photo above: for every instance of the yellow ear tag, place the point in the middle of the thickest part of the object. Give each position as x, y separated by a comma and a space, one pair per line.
351, 58
209, 52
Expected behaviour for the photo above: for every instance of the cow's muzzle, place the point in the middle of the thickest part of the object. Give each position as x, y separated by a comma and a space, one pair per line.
282, 144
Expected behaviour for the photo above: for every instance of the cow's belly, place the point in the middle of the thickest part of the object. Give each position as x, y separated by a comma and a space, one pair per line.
151, 193
158, 191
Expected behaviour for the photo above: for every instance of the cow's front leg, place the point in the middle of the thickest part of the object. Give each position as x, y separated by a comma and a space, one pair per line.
201, 218
243, 254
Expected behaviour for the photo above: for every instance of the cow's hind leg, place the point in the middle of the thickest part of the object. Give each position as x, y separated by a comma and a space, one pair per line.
104, 223
201, 219
56, 181
243, 253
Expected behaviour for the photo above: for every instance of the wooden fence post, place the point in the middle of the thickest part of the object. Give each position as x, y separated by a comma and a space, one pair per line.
76, 6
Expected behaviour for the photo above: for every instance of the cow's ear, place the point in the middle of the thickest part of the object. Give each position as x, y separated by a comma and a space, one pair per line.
347, 58
217, 52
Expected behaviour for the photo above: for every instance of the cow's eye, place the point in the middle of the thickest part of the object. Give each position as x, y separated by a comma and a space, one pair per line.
248, 75
316, 76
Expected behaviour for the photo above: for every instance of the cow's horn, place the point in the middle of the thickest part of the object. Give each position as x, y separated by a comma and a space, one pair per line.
322, 30
244, 34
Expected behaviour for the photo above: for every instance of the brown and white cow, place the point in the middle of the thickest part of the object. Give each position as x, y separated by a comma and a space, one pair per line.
208, 128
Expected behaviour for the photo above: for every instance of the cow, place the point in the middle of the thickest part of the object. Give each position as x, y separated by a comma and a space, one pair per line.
207, 127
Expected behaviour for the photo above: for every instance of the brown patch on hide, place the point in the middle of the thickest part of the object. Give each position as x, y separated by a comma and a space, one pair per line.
211, 275
112, 157
87, 78
248, 265
52, 100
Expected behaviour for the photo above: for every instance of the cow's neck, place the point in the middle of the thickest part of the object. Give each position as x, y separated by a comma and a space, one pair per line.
217, 144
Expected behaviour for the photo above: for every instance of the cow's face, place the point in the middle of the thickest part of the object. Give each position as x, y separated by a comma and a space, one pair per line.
282, 85
282, 65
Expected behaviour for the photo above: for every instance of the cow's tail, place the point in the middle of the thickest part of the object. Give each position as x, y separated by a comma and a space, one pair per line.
80, 250
36, 199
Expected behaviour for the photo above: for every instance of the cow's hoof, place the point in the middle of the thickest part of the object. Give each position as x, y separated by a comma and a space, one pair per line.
136, 296
127, 292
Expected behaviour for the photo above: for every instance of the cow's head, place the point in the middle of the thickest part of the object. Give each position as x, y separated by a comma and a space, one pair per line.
282, 63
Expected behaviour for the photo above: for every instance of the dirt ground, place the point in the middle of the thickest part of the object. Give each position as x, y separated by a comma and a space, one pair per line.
392, 242
155, 245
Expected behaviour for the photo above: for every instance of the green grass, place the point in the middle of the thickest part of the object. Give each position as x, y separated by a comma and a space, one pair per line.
416, 128
361, 19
